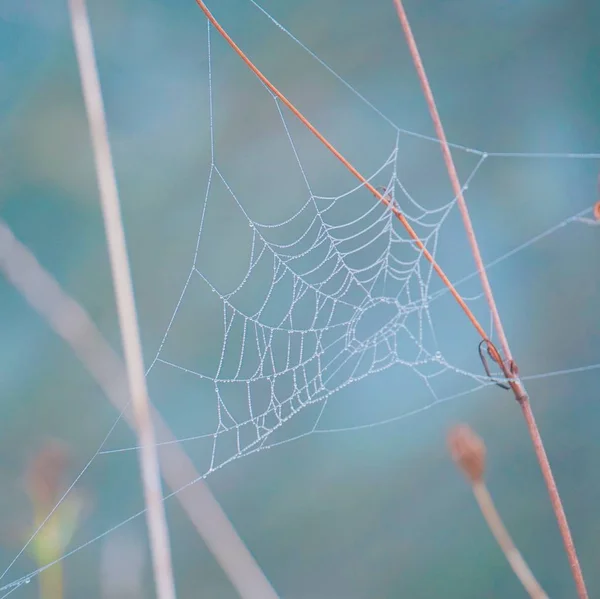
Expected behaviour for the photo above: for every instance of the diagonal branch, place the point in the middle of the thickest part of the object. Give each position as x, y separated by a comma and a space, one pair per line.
508, 365
376, 192
72, 323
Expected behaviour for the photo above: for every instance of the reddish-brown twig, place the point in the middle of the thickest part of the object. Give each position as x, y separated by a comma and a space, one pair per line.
510, 372
596, 211
386, 200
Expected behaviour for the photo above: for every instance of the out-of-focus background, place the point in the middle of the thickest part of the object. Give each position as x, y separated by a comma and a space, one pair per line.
377, 511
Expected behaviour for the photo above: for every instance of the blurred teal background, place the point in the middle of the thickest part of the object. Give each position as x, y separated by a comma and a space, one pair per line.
375, 512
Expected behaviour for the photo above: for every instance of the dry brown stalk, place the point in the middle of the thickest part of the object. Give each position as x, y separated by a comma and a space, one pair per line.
468, 452
507, 364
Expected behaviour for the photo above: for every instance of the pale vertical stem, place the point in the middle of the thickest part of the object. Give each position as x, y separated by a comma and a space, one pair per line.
107, 185
516, 384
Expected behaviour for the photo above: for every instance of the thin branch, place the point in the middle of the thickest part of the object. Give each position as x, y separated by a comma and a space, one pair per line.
468, 452
513, 555
377, 193
134, 361
72, 323
509, 371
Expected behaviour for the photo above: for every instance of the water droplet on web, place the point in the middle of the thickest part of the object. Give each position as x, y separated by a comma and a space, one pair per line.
438, 355
27, 580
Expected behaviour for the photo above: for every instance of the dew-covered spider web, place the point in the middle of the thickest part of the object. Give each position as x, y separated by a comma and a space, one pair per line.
299, 283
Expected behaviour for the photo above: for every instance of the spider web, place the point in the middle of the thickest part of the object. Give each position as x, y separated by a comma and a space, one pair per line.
306, 284
332, 293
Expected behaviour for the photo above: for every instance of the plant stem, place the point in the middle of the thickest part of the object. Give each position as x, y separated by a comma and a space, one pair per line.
51, 583
514, 557
109, 197
51, 579
516, 385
